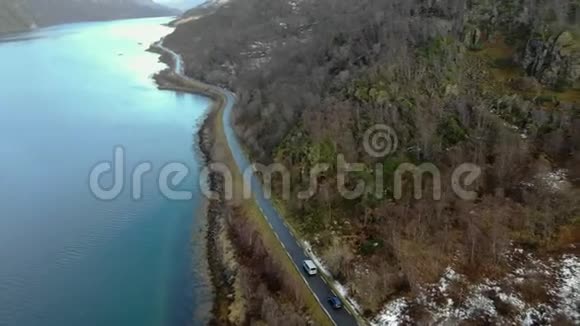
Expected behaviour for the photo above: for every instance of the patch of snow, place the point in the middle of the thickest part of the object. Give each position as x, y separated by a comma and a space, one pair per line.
344, 293
478, 304
537, 316
394, 313
555, 181
479, 301
315, 258
258, 45
510, 126
341, 289
527, 184
431, 296
568, 290
449, 276
295, 5
512, 300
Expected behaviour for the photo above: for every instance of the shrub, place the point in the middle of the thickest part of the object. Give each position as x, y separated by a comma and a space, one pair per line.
371, 246
451, 131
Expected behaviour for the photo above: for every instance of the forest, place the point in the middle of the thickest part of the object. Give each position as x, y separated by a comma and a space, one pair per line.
492, 83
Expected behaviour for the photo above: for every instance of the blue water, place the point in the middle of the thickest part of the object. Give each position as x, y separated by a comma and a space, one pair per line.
68, 96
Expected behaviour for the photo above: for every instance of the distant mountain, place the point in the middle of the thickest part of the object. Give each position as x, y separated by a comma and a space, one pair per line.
211, 4
205, 8
14, 16
49, 12
19, 15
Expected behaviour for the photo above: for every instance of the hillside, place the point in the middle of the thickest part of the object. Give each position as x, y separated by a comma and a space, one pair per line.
482, 96
205, 8
18, 15
14, 16
182, 5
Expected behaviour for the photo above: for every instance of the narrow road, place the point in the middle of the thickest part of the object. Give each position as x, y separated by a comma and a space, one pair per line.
316, 283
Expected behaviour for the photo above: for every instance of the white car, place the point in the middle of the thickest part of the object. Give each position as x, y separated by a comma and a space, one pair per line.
310, 267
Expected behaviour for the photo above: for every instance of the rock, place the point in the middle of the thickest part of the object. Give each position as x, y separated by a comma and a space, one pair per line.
472, 38
564, 41
452, 90
554, 61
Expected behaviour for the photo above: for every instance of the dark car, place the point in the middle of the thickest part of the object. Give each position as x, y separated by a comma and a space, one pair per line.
334, 302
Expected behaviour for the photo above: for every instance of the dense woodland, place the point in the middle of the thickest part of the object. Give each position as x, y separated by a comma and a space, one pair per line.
489, 82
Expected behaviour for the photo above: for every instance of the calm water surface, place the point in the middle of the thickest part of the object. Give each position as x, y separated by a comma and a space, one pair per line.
68, 96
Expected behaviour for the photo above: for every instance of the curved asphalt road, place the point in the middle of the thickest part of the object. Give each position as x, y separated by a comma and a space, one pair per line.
316, 283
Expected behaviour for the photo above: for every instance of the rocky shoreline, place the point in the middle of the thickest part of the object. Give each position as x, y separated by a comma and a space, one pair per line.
216, 242
251, 274
215, 214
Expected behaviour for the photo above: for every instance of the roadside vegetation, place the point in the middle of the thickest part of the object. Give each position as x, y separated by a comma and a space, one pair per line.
260, 282
255, 280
